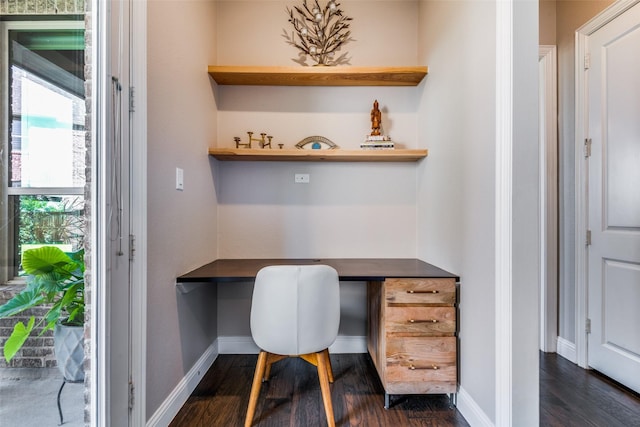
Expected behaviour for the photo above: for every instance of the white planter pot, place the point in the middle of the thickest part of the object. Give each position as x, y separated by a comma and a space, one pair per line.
69, 348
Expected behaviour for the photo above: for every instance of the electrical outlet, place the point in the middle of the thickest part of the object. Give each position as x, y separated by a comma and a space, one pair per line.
301, 178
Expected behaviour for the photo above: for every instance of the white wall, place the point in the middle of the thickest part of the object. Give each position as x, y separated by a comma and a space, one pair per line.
181, 224
348, 210
250, 32
525, 275
456, 195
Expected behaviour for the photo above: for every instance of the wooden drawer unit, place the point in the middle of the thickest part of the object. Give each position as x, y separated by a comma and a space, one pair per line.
412, 335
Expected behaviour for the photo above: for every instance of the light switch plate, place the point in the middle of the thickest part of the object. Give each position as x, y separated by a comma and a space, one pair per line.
179, 179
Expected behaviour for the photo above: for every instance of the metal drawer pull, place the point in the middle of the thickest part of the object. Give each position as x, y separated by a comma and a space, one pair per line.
432, 367
423, 321
423, 292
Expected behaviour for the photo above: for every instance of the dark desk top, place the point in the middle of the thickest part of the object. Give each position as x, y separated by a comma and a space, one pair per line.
349, 269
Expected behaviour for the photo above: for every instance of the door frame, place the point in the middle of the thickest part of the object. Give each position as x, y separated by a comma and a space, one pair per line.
548, 120
138, 189
581, 172
106, 340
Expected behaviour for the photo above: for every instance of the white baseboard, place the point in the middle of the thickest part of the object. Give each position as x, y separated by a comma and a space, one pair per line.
245, 345
172, 404
470, 410
349, 344
237, 345
567, 349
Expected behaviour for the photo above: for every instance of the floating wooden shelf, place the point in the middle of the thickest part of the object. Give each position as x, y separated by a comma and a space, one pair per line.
300, 155
318, 76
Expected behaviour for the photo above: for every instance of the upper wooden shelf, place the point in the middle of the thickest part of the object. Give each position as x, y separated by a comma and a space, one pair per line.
301, 155
318, 76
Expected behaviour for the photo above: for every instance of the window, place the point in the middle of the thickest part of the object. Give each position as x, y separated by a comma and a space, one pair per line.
43, 139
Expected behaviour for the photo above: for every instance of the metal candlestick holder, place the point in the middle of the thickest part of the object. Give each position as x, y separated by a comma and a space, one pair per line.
265, 144
264, 141
240, 145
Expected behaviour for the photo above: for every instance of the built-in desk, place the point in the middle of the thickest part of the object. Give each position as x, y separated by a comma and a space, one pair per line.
349, 269
412, 315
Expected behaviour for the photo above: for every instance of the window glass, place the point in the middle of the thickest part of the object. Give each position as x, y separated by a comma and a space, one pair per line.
43, 139
47, 140
52, 220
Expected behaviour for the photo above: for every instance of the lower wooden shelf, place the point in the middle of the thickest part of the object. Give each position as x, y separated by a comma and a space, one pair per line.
300, 155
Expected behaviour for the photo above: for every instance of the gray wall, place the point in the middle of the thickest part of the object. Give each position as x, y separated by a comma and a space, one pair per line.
181, 224
456, 191
526, 220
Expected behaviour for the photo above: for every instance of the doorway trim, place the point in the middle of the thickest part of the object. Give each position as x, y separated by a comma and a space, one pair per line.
105, 372
99, 372
503, 397
138, 315
581, 177
548, 77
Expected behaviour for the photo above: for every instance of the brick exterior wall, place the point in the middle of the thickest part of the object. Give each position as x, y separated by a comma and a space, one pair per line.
37, 351
41, 7
88, 314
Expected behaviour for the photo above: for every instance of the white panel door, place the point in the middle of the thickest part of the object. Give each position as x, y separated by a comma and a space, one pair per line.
614, 199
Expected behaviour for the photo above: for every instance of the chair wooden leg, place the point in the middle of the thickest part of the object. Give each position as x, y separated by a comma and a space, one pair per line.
255, 388
271, 359
313, 359
329, 368
323, 376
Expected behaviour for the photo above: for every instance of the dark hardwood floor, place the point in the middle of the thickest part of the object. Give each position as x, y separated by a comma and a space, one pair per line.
292, 397
572, 396
569, 396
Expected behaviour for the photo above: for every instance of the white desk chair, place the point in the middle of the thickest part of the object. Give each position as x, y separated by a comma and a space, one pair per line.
295, 311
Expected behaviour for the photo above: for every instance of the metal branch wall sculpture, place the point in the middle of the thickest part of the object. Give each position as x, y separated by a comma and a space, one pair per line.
319, 32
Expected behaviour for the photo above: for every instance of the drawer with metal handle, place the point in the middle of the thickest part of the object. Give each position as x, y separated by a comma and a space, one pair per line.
399, 292
421, 365
420, 321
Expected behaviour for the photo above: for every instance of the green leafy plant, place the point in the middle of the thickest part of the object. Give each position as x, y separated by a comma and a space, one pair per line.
55, 280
